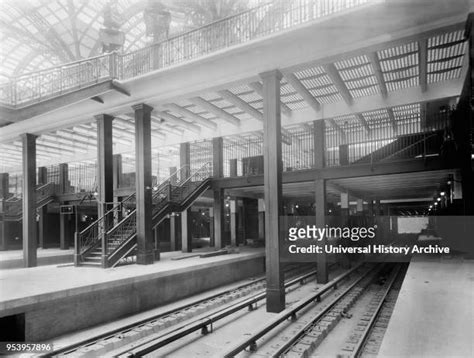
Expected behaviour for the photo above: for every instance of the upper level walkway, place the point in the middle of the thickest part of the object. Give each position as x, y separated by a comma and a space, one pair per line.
382, 54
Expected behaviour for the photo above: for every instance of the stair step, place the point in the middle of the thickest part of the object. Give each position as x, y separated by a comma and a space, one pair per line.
92, 264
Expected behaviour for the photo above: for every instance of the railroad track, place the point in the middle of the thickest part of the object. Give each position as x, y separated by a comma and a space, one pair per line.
111, 340
370, 342
316, 316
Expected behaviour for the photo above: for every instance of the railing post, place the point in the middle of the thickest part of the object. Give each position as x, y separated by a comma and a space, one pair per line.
170, 191
113, 65
104, 249
77, 249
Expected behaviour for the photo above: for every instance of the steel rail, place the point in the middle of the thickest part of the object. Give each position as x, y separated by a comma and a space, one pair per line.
291, 312
360, 345
86, 342
204, 323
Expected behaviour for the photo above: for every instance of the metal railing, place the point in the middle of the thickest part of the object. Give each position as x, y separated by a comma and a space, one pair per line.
96, 232
248, 25
110, 236
13, 206
411, 140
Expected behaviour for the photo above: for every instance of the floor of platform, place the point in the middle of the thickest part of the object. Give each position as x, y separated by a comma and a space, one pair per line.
14, 258
33, 285
434, 313
18, 254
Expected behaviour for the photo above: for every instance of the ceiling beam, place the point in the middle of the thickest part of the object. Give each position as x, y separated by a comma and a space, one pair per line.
335, 77
64, 140
191, 115
393, 121
308, 97
374, 59
258, 88
363, 122
71, 133
219, 112
168, 117
159, 124
423, 63
241, 104
302, 91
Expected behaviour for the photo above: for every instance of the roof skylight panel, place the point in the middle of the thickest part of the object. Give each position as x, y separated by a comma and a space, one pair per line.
329, 98
237, 90
352, 63
398, 51
445, 38
316, 82
250, 97
297, 105
377, 119
291, 98
309, 72
286, 88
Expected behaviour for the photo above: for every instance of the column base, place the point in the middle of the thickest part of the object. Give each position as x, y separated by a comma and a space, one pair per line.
104, 261
145, 258
30, 262
275, 299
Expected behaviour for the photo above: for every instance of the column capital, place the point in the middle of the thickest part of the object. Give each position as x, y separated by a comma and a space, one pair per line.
270, 74
103, 116
143, 107
28, 136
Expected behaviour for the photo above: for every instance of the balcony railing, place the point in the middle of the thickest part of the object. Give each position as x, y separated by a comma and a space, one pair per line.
254, 23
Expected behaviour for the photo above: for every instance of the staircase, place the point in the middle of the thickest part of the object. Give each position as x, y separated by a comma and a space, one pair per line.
96, 246
13, 207
405, 147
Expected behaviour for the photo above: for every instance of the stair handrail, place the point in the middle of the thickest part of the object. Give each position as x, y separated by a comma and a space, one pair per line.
42, 191
175, 174
202, 173
164, 191
127, 199
126, 228
205, 168
91, 235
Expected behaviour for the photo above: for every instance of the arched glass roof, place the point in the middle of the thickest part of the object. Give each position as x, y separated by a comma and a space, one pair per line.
37, 34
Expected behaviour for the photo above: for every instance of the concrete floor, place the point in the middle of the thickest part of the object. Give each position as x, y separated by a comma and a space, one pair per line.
53, 256
37, 284
434, 313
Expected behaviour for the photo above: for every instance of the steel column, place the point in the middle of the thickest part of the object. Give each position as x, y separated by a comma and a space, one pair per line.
273, 189
143, 182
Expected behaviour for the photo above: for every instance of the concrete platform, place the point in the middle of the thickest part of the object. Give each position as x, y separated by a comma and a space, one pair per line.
54, 300
14, 258
434, 313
